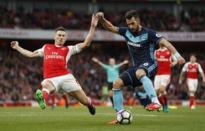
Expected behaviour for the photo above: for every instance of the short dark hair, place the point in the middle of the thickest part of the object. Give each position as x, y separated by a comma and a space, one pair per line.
61, 28
192, 54
131, 13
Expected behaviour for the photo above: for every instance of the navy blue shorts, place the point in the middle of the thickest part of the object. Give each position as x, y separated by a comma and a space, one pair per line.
129, 77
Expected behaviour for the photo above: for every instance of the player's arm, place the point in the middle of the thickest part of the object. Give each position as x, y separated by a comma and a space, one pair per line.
15, 45
90, 35
170, 47
173, 61
201, 73
181, 76
107, 24
97, 61
123, 63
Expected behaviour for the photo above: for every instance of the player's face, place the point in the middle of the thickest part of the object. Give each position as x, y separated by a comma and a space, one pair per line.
60, 37
112, 61
192, 58
133, 24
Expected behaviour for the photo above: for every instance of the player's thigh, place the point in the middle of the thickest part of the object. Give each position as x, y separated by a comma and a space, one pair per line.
49, 84
80, 96
70, 84
129, 77
192, 84
165, 80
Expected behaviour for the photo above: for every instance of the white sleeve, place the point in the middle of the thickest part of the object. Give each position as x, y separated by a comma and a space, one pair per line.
174, 58
74, 49
41, 51
155, 54
200, 69
184, 69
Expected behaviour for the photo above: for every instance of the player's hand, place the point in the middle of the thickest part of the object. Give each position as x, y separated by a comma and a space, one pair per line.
125, 61
100, 15
180, 81
94, 20
203, 80
94, 59
15, 44
181, 60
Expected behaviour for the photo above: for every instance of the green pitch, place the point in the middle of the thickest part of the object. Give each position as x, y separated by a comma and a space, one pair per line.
78, 119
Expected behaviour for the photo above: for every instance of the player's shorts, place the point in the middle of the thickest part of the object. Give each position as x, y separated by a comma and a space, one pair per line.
161, 80
67, 83
110, 84
192, 84
129, 77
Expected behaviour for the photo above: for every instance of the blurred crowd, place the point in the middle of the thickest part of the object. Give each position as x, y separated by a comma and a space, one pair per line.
21, 76
160, 20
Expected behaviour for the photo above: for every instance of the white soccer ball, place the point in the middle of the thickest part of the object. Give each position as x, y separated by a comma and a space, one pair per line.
124, 117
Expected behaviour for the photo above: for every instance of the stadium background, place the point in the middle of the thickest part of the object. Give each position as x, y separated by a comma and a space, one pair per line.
32, 23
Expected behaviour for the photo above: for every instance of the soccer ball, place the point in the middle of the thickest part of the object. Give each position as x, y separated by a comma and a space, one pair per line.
124, 117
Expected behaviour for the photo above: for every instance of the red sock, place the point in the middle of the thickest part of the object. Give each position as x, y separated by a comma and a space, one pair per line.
161, 99
45, 95
65, 99
194, 100
191, 101
165, 100
53, 97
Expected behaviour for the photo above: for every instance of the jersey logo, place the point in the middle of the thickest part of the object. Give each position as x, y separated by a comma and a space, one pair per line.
133, 44
146, 64
158, 35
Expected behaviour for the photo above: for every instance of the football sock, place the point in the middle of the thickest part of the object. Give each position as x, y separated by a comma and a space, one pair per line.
148, 87
143, 99
52, 96
66, 100
191, 101
165, 100
118, 100
45, 94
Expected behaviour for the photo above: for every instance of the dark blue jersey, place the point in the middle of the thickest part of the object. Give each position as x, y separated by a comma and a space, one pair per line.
141, 45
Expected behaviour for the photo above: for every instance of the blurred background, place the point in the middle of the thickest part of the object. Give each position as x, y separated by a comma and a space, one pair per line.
32, 23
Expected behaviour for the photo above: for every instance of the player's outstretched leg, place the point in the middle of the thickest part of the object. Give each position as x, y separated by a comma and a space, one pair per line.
40, 99
82, 98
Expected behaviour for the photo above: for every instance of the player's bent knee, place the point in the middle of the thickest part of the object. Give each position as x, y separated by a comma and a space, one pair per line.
162, 89
140, 73
117, 84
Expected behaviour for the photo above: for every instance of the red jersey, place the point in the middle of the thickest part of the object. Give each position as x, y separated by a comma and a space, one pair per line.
192, 70
56, 59
163, 57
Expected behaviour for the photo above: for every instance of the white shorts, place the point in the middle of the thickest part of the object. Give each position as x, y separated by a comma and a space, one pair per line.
192, 84
67, 83
161, 80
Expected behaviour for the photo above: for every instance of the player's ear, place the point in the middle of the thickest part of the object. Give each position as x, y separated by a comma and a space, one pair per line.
137, 19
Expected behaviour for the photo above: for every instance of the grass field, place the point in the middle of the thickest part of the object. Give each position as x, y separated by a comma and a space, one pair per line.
78, 119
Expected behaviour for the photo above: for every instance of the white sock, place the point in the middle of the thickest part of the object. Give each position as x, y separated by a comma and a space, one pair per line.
155, 100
